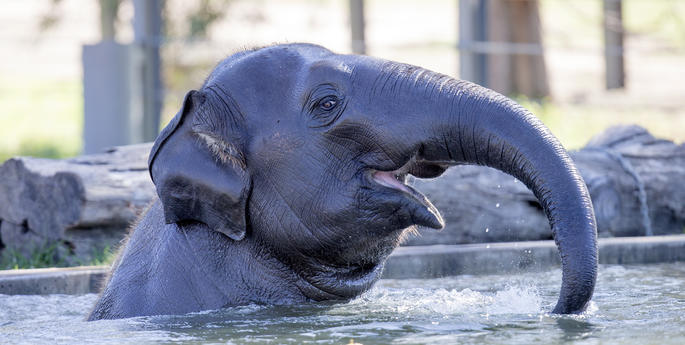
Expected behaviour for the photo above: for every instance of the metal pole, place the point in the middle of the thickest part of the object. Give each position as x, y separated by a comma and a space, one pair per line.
147, 29
613, 44
357, 26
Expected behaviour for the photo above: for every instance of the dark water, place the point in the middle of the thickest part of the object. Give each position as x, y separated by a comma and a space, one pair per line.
632, 305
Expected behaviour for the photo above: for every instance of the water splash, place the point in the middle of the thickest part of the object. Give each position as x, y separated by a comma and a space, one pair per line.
446, 302
516, 300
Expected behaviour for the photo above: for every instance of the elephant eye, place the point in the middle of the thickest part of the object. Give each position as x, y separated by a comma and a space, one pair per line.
324, 105
328, 103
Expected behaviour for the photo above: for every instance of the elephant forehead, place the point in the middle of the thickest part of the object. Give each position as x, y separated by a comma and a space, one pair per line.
333, 64
275, 55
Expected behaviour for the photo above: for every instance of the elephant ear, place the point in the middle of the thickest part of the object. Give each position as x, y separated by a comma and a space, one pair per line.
198, 175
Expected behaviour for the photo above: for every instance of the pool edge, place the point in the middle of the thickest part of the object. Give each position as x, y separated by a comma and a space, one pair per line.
511, 257
405, 262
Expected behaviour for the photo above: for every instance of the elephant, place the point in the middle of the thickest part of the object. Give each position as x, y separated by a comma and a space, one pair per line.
282, 180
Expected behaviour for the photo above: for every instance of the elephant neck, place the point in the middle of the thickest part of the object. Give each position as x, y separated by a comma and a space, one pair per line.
322, 281
254, 272
240, 271
245, 272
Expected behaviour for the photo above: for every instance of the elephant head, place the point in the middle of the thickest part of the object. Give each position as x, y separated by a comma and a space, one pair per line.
305, 153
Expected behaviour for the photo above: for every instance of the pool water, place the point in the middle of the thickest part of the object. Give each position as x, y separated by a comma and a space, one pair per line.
642, 304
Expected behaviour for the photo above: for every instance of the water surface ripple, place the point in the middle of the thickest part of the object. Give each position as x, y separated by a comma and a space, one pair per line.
642, 304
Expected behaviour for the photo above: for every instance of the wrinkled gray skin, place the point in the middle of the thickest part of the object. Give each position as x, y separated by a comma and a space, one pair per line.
282, 181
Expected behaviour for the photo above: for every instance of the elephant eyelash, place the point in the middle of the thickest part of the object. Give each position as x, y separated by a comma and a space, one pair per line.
225, 152
320, 94
322, 118
333, 102
320, 114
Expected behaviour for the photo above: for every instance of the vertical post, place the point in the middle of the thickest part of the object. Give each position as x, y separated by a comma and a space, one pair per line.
108, 15
357, 26
106, 96
472, 32
147, 29
500, 64
613, 44
106, 87
529, 75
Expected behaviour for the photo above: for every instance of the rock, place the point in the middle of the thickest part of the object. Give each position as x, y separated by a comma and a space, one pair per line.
636, 182
82, 203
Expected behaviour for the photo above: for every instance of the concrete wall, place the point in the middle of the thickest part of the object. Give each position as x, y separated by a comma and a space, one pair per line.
406, 262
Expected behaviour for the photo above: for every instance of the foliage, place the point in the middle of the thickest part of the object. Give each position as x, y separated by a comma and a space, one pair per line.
40, 257
208, 12
37, 148
101, 257
49, 255
576, 124
199, 20
51, 17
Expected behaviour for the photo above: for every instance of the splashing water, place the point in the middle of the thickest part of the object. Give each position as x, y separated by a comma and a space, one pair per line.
442, 302
632, 305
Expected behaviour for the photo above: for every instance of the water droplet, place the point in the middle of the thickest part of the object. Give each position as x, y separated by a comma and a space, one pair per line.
487, 229
499, 186
497, 205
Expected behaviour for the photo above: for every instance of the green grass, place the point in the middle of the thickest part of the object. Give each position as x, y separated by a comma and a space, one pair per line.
42, 118
44, 256
101, 257
48, 255
575, 124
662, 19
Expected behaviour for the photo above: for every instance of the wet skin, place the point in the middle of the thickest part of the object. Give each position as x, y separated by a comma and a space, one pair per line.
282, 180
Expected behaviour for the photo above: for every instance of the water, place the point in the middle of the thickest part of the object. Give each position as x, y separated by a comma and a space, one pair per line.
632, 305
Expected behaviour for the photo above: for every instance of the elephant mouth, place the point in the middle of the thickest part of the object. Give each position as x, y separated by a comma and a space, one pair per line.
394, 182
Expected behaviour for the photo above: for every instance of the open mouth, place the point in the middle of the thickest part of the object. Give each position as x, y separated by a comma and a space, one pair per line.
392, 179
426, 214
397, 179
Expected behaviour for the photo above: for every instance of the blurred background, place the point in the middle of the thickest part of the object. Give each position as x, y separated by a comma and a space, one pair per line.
78, 75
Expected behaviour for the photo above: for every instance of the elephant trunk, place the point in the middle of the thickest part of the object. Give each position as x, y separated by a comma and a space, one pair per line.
478, 126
